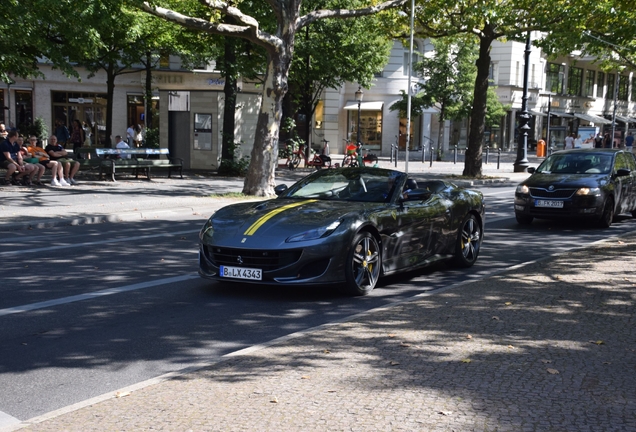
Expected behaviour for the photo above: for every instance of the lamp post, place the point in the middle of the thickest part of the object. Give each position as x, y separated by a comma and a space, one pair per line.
359, 95
615, 103
408, 98
521, 164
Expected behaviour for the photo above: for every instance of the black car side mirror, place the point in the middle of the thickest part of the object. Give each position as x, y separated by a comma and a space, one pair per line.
622, 172
531, 170
280, 189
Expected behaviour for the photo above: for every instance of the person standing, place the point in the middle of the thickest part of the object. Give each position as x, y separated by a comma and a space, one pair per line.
569, 141
77, 138
629, 142
598, 141
578, 142
61, 132
607, 141
130, 135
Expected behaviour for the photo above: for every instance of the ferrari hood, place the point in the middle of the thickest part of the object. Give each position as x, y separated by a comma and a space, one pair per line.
278, 219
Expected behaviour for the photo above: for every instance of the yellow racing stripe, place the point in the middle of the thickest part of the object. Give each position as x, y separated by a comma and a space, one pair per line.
256, 225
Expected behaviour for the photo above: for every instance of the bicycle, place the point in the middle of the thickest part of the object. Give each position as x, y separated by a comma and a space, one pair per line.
318, 161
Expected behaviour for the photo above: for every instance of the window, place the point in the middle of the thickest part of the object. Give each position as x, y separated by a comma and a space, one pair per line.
23, 109
86, 107
575, 81
589, 82
555, 77
415, 58
623, 87
611, 78
164, 61
370, 128
492, 74
600, 84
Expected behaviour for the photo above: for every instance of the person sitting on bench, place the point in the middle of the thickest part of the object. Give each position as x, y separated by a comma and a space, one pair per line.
57, 153
57, 173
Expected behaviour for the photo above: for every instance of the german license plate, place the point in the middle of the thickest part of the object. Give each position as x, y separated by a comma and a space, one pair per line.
548, 203
241, 273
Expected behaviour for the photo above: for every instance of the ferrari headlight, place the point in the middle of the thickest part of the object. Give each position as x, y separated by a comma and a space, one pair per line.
315, 233
589, 191
523, 189
207, 229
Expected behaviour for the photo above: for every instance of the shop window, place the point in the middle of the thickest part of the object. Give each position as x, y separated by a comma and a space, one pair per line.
319, 114
370, 128
88, 108
414, 140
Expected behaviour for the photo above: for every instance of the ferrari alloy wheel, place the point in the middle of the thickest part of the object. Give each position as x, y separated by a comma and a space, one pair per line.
608, 214
468, 242
363, 264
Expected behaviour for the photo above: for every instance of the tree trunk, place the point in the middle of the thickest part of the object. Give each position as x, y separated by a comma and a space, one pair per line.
110, 91
148, 90
259, 180
230, 90
473, 162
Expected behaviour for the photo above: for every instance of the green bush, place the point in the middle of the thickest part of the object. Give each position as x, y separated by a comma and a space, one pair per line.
38, 128
234, 167
152, 137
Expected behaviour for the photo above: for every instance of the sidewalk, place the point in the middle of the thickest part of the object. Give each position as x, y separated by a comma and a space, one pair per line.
548, 346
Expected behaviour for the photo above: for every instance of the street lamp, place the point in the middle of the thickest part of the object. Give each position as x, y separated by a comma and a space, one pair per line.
359, 95
521, 164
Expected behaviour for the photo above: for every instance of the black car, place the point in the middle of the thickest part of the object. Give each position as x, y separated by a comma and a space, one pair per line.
593, 184
345, 225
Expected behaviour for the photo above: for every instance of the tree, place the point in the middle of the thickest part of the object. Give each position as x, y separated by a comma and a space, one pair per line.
331, 52
278, 42
490, 20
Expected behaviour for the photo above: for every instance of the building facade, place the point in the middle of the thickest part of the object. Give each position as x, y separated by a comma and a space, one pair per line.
569, 94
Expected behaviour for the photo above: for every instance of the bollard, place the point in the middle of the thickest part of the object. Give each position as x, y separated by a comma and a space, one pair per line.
498, 157
391, 155
423, 154
396, 155
455, 155
487, 154
431, 164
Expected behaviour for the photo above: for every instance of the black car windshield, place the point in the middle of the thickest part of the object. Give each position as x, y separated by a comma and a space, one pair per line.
576, 163
348, 184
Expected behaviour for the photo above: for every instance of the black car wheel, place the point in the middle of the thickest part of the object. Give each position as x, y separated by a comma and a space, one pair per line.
608, 214
523, 219
468, 242
363, 264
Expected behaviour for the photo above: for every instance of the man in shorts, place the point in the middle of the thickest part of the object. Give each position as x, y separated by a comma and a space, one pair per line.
57, 153
11, 159
56, 169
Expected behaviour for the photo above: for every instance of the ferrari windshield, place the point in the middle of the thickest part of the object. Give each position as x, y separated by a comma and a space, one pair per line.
576, 163
348, 184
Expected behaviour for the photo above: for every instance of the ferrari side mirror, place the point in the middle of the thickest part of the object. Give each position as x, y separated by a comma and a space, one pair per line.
278, 190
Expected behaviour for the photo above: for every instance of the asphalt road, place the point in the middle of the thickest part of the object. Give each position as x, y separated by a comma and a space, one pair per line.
89, 309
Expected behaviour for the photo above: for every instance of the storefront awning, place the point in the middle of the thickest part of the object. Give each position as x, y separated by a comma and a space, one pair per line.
625, 119
538, 113
364, 106
561, 114
592, 118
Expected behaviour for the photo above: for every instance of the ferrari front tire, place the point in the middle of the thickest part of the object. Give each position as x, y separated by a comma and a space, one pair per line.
468, 242
363, 264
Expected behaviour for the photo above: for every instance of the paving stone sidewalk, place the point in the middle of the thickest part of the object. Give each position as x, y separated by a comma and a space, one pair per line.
548, 346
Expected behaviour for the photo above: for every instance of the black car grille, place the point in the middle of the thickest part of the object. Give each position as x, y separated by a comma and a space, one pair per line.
557, 193
266, 260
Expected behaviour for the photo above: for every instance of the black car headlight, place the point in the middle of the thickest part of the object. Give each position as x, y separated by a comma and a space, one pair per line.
523, 189
589, 191
207, 230
315, 233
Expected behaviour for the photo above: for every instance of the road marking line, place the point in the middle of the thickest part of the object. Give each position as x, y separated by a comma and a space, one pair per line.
75, 245
92, 295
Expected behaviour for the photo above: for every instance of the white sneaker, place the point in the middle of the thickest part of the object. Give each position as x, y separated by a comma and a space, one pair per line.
64, 183
71, 181
55, 182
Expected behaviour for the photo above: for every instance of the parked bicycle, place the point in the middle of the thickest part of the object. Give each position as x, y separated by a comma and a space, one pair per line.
317, 161
353, 156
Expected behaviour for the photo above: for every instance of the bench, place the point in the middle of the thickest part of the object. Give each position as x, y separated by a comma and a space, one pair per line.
113, 160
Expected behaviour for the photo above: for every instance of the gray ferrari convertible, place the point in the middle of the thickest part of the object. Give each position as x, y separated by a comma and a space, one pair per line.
344, 226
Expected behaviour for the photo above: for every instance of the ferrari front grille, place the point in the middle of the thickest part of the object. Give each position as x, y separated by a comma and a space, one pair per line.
557, 193
265, 260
